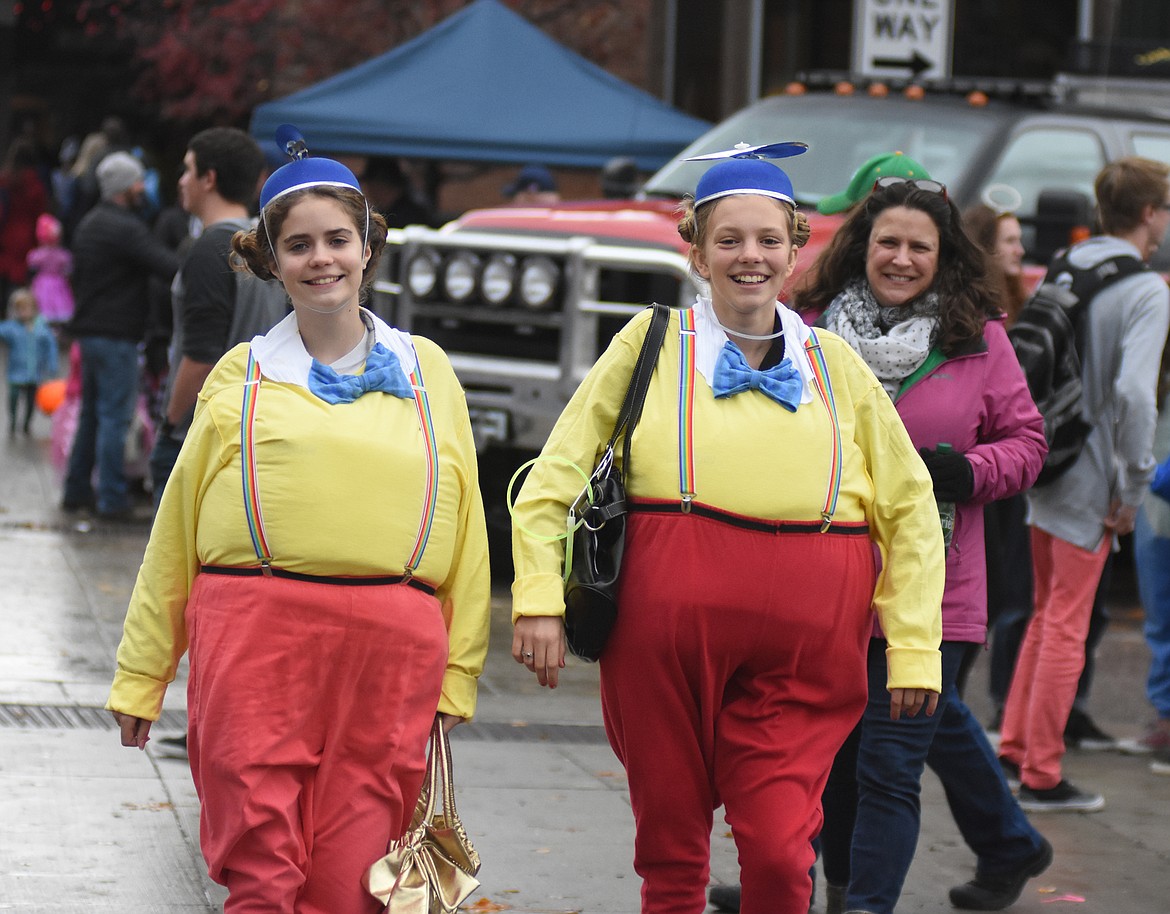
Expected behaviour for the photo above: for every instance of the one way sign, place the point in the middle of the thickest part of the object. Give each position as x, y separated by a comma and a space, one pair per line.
903, 37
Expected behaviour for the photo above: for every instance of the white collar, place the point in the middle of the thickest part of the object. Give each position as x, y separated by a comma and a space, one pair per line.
710, 337
282, 356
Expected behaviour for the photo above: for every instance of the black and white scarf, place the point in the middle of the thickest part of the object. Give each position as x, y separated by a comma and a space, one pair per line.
894, 342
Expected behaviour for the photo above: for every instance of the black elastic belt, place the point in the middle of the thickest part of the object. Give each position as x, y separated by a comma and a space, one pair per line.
256, 572
746, 523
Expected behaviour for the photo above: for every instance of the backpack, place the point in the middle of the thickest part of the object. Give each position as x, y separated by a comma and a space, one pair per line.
1048, 337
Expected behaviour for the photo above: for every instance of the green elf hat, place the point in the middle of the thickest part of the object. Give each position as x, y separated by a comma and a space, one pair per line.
880, 166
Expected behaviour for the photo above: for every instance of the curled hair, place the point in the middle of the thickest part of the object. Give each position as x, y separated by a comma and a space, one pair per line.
693, 223
966, 294
254, 251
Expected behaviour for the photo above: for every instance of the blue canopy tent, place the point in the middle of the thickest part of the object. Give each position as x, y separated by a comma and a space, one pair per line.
483, 85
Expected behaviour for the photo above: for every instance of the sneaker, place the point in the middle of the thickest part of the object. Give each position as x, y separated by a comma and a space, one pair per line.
988, 892
1157, 736
1082, 733
1160, 763
1064, 797
171, 747
835, 898
1011, 773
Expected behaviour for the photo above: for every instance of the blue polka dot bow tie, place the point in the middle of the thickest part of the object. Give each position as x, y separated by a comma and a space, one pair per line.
383, 372
733, 375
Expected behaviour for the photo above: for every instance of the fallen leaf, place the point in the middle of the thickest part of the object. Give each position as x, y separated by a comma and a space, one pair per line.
486, 904
153, 807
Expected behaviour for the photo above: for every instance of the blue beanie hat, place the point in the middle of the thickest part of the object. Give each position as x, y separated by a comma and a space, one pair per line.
303, 171
743, 176
742, 170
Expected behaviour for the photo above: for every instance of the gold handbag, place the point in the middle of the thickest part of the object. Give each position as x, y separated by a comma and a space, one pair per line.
431, 868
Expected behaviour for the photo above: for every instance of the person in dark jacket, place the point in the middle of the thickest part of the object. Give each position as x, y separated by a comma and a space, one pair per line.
114, 255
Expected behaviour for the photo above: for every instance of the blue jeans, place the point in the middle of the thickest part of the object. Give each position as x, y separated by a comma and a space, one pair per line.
109, 388
890, 761
1152, 558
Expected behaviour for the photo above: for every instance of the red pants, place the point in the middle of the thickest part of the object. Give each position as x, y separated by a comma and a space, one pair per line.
309, 707
735, 672
1051, 657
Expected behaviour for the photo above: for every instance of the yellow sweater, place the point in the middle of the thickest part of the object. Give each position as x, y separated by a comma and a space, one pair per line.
341, 488
753, 457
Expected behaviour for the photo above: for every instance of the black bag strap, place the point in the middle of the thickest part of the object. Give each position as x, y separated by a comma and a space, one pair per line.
635, 398
1086, 282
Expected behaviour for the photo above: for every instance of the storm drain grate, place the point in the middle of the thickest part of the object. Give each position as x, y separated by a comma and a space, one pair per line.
72, 717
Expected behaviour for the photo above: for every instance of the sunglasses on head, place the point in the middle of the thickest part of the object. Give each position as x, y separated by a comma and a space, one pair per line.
931, 187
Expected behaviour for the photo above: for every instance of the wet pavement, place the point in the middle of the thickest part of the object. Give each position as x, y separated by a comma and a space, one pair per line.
87, 826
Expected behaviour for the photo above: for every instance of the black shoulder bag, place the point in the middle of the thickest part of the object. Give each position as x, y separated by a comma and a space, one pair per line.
591, 587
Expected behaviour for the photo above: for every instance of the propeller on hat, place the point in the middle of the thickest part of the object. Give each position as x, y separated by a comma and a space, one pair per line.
291, 142
744, 151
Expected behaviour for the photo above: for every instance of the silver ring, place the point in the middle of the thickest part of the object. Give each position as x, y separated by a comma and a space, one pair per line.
526, 653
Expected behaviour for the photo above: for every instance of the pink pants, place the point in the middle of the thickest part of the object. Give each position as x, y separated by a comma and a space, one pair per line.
1051, 657
309, 707
735, 672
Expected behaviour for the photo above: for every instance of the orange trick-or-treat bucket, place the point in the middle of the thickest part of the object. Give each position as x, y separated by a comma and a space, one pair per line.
51, 395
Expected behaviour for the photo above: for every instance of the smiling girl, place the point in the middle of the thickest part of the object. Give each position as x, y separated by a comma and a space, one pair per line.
321, 549
766, 463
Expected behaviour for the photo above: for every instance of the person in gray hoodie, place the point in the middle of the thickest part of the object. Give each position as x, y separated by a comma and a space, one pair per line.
1076, 518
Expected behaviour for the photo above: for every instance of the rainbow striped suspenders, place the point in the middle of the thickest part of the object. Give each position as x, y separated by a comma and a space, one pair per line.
686, 415
248, 464
252, 508
686, 407
426, 424
824, 385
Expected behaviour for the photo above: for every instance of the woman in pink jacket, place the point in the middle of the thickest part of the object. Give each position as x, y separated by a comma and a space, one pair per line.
903, 284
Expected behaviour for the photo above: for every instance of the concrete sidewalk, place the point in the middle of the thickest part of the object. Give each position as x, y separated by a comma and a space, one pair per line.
87, 826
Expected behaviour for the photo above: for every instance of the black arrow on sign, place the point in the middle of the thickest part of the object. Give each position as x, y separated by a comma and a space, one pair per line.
916, 63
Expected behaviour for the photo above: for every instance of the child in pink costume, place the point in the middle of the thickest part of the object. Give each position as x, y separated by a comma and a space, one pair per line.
50, 265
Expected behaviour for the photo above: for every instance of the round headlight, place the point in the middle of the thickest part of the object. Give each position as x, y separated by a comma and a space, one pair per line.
460, 276
499, 278
538, 282
423, 273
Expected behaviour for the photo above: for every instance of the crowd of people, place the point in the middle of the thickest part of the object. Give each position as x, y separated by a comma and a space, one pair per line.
850, 476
